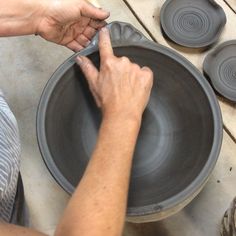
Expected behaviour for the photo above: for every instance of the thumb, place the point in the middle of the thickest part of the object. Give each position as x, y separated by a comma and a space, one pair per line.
89, 10
91, 74
89, 70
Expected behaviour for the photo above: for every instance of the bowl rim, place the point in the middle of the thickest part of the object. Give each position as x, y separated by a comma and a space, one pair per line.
137, 214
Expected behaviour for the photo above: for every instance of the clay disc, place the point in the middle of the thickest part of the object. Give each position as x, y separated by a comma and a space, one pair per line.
192, 23
220, 67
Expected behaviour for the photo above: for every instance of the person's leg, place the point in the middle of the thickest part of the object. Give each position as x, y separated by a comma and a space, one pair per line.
228, 227
9, 160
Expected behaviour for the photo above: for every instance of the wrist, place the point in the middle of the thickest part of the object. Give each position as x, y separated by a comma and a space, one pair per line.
39, 15
124, 129
123, 118
20, 18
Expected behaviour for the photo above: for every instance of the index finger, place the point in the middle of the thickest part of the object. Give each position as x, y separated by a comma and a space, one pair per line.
105, 46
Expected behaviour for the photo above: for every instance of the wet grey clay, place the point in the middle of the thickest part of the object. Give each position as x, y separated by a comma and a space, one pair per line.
192, 23
180, 137
220, 68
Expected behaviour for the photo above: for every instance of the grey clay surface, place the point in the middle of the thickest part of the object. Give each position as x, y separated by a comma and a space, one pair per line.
180, 137
192, 23
220, 67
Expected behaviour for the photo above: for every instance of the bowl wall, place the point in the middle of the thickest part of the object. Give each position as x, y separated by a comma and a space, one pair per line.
175, 140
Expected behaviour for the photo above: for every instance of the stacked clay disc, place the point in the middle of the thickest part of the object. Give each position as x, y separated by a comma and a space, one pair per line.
192, 23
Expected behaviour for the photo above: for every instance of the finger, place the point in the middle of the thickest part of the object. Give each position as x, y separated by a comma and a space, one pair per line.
89, 32
91, 74
96, 97
84, 21
93, 12
146, 69
89, 70
97, 24
83, 40
80, 26
105, 47
136, 67
74, 46
147, 74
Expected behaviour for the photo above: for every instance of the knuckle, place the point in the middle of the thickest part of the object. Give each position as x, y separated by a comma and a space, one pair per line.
146, 69
148, 77
136, 67
147, 72
108, 62
86, 65
150, 82
125, 60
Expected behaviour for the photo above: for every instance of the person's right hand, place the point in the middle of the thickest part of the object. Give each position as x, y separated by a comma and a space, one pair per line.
120, 88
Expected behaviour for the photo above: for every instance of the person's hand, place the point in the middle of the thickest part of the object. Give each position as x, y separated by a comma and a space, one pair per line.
120, 88
71, 23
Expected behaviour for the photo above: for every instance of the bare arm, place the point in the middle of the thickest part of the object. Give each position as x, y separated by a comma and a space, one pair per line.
19, 17
99, 204
122, 90
13, 230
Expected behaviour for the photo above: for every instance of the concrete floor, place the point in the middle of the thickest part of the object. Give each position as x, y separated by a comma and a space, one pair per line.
26, 64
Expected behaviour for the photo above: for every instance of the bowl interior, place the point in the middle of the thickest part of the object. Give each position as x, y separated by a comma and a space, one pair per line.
175, 139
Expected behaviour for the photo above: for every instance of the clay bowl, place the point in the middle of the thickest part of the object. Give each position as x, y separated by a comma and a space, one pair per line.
179, 141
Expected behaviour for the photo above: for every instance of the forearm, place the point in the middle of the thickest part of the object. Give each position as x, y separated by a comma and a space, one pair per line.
98, 206
13, 230
19, 17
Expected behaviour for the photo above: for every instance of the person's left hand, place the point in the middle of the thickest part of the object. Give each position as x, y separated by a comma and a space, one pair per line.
71, 23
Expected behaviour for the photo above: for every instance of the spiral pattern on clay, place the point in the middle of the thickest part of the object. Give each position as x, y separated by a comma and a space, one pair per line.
191, 22
227, 72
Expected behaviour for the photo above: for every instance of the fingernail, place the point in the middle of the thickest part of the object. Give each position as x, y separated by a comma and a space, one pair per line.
78, 59
108, 13
104, 10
